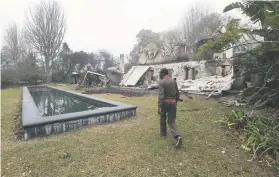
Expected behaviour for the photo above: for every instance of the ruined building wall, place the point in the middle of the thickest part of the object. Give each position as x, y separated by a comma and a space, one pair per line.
195, 69
151, 54
115, 77
159, 58
116, 73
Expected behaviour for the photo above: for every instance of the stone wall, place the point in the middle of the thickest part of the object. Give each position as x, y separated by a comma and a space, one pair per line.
68, 125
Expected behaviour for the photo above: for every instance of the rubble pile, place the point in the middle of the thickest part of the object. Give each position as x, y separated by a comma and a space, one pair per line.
207, 84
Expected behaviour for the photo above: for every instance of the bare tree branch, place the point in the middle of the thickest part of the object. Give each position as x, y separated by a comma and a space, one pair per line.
12, 42
265, 81
14, 49
45, 31
199, 22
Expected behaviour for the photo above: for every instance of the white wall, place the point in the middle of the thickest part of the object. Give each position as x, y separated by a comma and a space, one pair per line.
179, 71
203, 68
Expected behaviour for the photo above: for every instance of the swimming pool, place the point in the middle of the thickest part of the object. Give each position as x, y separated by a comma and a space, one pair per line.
48, 110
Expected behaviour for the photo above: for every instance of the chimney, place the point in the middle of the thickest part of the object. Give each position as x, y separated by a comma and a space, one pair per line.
121, 64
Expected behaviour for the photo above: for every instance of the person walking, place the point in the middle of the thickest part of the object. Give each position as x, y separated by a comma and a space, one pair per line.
167, 100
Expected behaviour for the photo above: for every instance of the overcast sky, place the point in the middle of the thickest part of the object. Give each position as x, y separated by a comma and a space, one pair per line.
107, 24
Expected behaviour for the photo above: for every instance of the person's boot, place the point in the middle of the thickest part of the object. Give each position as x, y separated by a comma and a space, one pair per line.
178, 142
163, 136
163, 129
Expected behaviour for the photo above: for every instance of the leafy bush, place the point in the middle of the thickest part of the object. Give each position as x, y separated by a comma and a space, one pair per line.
235, 120
262, 135
7, 77
27, 72
23, 71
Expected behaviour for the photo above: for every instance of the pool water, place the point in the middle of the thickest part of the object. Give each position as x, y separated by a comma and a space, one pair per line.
52, 102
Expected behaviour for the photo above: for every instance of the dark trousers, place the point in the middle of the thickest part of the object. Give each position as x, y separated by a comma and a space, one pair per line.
168, 110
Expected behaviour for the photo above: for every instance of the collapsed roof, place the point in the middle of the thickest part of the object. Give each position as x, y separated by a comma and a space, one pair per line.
133, 75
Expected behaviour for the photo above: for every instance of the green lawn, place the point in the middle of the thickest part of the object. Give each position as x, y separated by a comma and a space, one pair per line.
131, 147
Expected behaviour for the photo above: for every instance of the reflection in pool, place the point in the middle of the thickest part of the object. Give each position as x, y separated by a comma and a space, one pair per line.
51, 102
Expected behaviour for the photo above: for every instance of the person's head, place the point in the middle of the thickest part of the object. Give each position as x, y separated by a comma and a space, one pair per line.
163, 73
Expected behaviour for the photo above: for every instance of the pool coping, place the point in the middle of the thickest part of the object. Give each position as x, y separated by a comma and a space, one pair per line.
31, 115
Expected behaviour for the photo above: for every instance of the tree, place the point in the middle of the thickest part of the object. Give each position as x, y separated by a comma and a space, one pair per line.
95, 61
45, 29
66, 63
69, 61
80, 58
14, 49
145, 37
262, 61
24, 69
107, 59
226, 40
253, 9
264, 12
199, 22
28, 70
171, 38
134, 54
13, 52
208, 25
6, 59
8, 71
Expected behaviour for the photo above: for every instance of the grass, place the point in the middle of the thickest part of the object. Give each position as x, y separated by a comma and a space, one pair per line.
130, 147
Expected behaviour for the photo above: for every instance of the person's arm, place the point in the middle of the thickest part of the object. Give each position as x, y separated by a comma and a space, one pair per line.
161, 97
177, 92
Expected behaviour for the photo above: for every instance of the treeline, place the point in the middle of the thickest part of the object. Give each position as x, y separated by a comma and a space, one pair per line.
30, 67
37, 52
69, 61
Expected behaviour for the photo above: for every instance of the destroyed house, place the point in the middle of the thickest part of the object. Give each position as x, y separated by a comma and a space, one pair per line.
146, 73
213, 73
